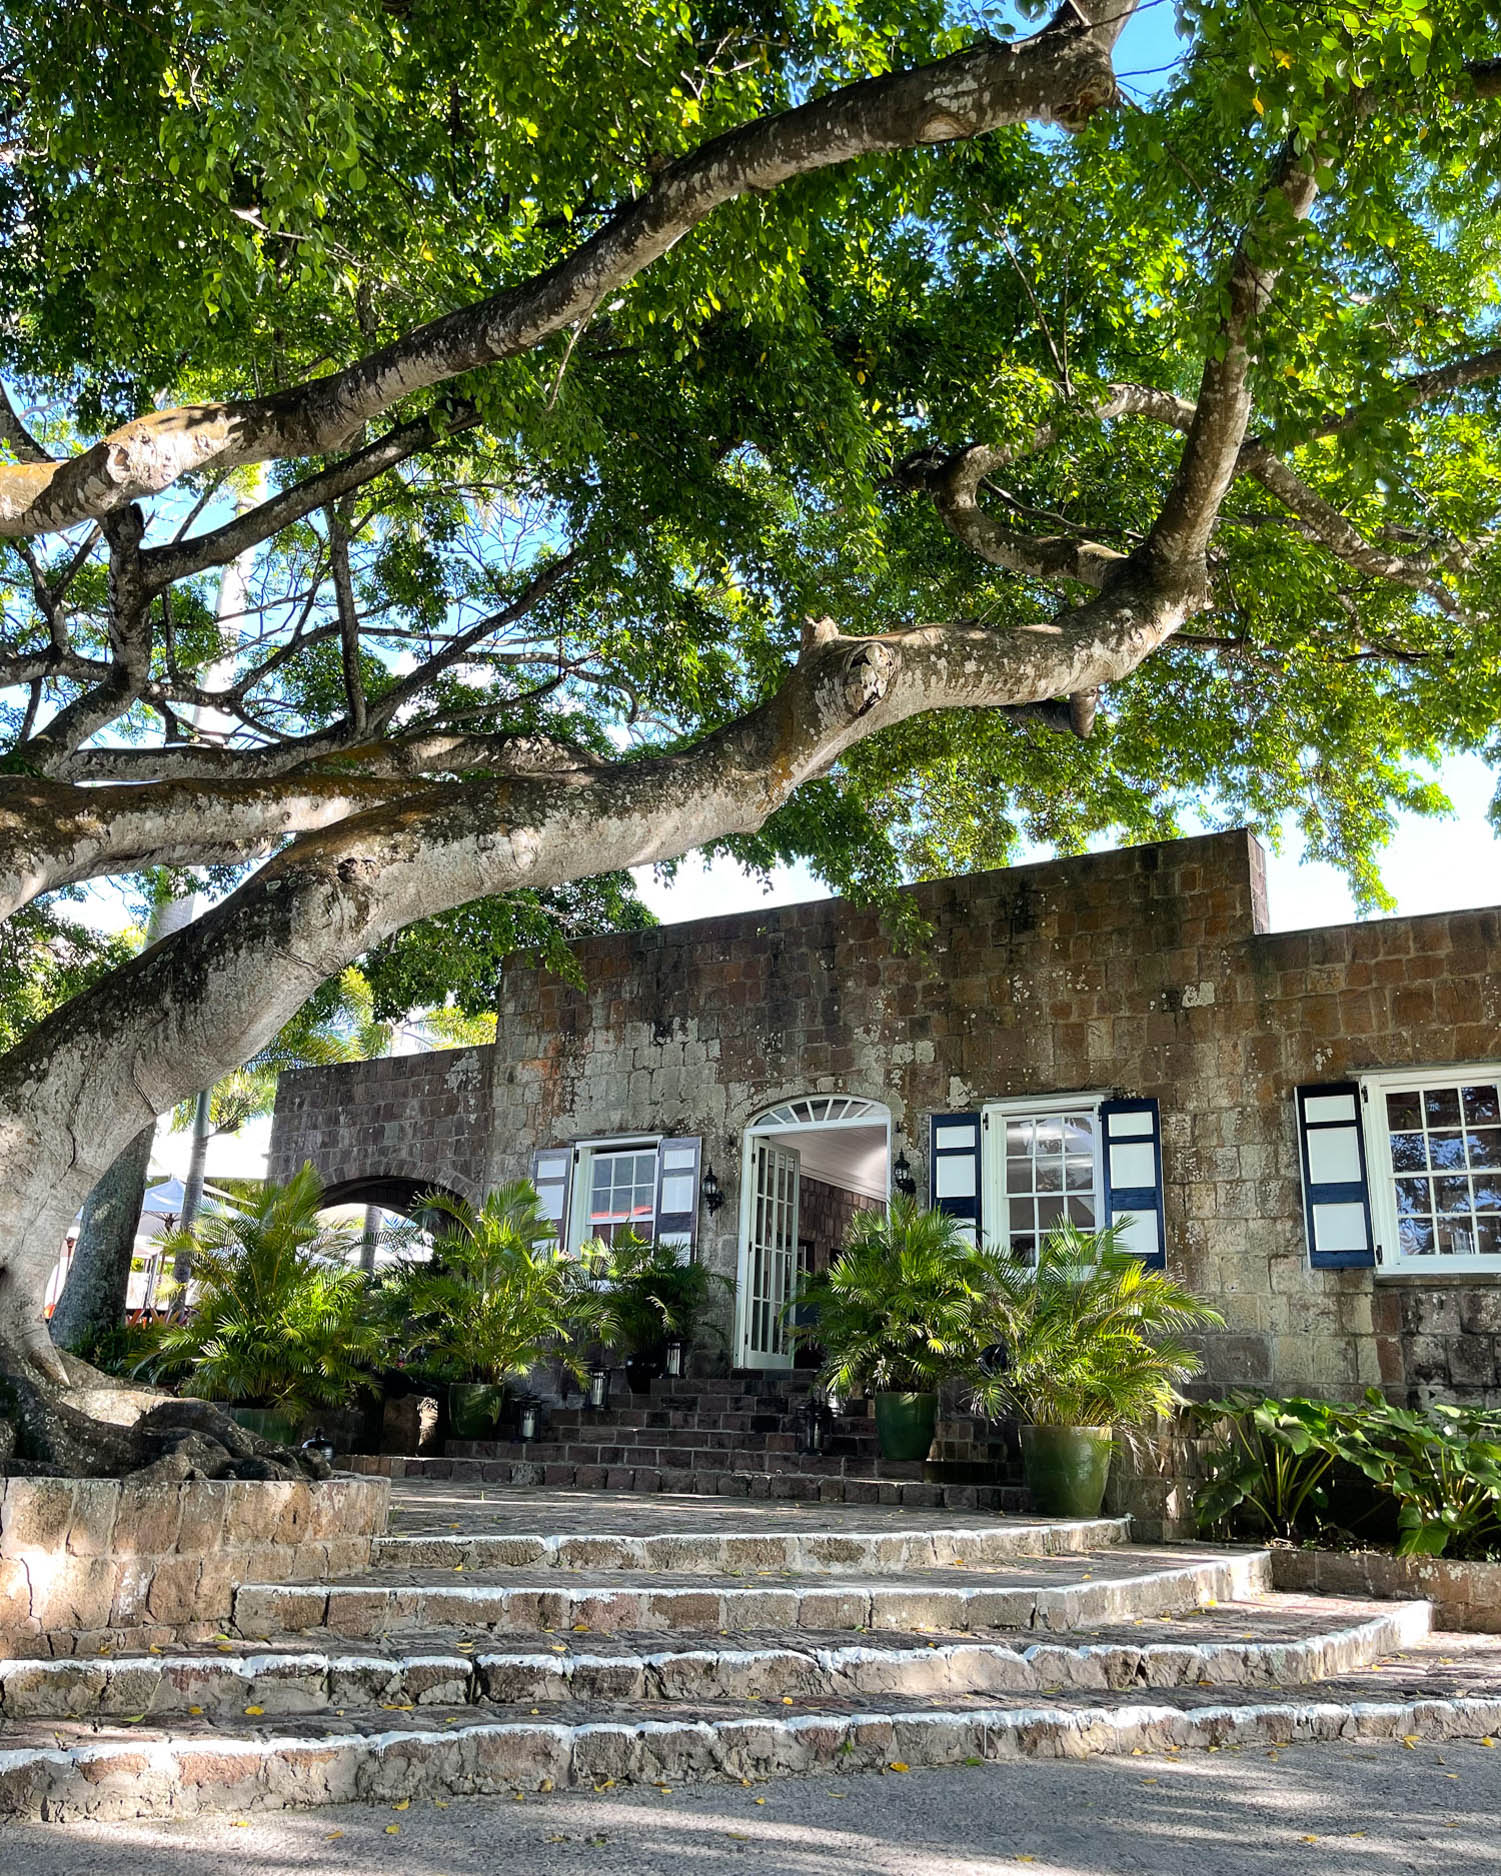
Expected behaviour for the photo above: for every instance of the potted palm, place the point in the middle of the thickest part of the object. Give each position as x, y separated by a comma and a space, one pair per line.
908, 1303
1092, 1343
498, 1297
652, 1295
275, 1322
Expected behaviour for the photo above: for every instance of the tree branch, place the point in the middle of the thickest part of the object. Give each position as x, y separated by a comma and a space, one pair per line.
1061, 75
162, 566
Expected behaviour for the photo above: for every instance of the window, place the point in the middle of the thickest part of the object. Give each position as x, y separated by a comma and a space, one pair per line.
1044, 1168
605, 1188
1435, 1143
620, 1184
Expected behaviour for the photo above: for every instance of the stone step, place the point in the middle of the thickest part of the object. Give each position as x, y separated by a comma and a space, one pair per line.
65, 1770
1271, 1641
1043, 1593
646, 1447
722, 1553
718, 1481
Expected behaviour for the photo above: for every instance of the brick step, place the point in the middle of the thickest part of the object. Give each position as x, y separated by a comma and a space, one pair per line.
733, 1553
70, 1770
1298, 1641
1041, 1592
710, 1481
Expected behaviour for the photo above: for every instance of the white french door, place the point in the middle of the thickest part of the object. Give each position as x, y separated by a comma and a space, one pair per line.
768, 1255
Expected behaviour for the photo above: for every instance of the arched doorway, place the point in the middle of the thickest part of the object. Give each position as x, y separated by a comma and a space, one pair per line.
809, 1164
393, 1213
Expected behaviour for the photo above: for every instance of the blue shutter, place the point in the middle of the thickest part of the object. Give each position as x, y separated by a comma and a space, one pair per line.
677, 1193
1132, 1142
552, 1175
954, 1167
1336, 1188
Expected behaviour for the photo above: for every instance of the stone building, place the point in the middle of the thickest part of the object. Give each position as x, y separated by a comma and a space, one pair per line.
1305, 1126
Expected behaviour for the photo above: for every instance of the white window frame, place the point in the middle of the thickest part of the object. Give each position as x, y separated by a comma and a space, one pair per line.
995, 1212
1382, 1177
584, 1154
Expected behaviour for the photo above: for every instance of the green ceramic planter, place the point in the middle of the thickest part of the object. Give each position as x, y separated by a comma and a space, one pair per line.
474, 1408
266, 1423
1066, 1469
904, 1424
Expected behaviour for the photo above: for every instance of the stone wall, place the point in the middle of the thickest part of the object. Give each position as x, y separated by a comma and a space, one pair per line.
91, 1564
386, 1131
1147, 971
824, 1215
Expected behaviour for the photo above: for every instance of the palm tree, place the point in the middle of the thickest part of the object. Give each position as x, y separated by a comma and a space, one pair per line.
500, 1294
279, 1318
1092, 1336
907, 1303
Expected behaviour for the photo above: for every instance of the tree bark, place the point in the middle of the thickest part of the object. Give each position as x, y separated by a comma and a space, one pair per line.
93, 1298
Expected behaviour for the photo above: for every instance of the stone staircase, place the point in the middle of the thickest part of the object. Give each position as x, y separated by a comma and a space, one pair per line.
740, 1435
525, 1642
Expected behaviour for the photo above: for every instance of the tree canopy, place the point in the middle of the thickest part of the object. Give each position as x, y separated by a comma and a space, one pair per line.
862, 431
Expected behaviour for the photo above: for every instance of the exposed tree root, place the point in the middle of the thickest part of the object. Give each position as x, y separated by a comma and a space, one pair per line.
95, 1426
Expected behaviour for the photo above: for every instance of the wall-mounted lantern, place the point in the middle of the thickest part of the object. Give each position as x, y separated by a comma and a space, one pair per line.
599, 1387
675, 1359
709, 1192
901, 1175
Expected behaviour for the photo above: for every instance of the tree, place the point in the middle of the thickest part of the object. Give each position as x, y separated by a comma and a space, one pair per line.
770, 439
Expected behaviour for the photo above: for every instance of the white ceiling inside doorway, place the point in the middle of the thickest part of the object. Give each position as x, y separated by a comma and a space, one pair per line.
852, 1157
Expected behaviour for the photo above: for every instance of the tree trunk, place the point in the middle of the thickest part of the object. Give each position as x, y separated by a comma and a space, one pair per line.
93, 1298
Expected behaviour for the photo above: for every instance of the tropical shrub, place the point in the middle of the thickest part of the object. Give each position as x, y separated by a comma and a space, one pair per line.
278, 1317
653, 1293
1268, 1474
1091, 1336
1438, 1469
499, 1296
909, 1302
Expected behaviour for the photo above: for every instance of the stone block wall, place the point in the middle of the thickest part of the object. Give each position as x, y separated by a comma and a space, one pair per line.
89, 1564
385, 1132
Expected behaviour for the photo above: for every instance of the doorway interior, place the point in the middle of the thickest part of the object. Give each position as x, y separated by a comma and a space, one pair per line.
810, 1165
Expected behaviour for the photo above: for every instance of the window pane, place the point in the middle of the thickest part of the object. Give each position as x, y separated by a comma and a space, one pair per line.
1404, 1110
1488, 1237
1482, 1104
1048, 1156
622, 1193
1413, 1196
1447, 1151
1455, 1236
1416, 1236
1441, 1107
1453, 1195
1485, 1147
1409, 1153
1486, 1187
